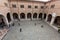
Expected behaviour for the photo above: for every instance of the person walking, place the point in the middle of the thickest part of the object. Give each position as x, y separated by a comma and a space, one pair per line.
20, 29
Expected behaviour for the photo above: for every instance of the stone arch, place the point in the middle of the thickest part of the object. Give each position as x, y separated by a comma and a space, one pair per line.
49, 18
35, 15
22, 16
15, 16
8, 17
2, 21
29, 15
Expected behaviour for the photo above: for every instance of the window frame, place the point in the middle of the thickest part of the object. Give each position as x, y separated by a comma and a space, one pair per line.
21, 6
14, 5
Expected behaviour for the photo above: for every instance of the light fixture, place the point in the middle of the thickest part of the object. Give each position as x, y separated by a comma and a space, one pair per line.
41, 0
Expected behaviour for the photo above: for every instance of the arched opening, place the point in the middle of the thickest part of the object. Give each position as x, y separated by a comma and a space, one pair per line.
8, 17
22, 16
35, 15
15, 16
2, 21
49, 18
44, 15
29, 15
40, 15
57, 21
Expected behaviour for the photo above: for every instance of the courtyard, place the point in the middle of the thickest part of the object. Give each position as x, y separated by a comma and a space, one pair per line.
32, 30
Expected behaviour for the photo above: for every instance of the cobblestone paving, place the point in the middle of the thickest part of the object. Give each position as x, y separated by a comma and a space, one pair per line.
30, 31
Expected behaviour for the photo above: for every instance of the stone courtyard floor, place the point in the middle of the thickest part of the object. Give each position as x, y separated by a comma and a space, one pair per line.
30, 31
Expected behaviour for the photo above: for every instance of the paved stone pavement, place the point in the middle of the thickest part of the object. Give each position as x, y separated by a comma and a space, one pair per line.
30, 31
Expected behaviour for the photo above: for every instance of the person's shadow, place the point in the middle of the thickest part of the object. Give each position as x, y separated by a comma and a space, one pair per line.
42, 26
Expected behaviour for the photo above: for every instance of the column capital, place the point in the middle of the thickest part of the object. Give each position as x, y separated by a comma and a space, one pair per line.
53, 14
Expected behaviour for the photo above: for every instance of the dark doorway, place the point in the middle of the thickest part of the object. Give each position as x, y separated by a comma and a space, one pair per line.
44, 15
15, 15
29, 15
8, 17
2, 22
57, 20
40, 15
49, 18
35, 15
22, 16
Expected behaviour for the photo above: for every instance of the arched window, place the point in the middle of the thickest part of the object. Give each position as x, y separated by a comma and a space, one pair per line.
28, 15
8, 17
35, 15
15, 15
22, 16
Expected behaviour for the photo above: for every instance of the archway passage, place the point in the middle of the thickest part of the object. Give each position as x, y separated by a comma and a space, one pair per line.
15, 16
35, 15
49, 18
29, 15
2, 21
8, 17
57, 20
44, 15
40, 15
22, 16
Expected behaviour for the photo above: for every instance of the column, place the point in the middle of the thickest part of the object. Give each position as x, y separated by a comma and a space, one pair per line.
37, 16
52, 20
26, 16
11, 16
19, 16
42, 16
6, 21
46, 18
32, 16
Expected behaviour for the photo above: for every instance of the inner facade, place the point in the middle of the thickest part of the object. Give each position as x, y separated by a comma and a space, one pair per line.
16, 11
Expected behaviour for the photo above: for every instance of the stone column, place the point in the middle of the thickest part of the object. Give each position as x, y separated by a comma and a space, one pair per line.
26, 16
32, 16
37, 16
6, 21
46, 18
11, 16
52, 20
42, 16
19, 16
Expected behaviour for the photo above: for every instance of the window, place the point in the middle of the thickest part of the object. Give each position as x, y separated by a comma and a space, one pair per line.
29, 6
42, 7
21, 6
36, 6
52, 6
5, 4
13, 5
